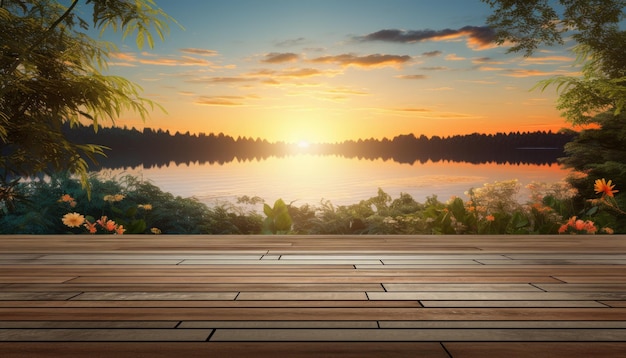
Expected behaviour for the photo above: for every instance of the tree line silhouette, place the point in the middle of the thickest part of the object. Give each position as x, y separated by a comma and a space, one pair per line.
157, 148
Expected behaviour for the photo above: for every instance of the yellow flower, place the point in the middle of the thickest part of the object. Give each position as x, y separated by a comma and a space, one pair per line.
608, 230
145, 206
73, 219
114, 198
155, 231
604, 187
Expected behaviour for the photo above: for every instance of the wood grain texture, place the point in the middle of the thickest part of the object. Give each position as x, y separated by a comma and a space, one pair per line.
312, 296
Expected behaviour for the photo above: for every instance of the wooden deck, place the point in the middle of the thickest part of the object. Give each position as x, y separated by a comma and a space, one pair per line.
305, 296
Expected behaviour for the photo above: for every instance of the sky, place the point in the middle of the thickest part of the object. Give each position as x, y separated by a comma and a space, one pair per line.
330, 70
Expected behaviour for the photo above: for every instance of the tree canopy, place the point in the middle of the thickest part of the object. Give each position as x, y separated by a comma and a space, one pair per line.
598, 95
51, 74
594, 25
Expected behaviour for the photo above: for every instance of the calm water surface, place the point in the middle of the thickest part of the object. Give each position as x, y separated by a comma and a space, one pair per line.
308, 179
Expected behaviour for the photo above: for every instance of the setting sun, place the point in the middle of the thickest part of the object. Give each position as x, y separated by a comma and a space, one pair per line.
303, 144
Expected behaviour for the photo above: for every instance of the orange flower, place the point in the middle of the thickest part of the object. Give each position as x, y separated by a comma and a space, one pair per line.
91, 227
490, 218
107, 224
579, 225
604, 187
66, 198
120, 229
73, 219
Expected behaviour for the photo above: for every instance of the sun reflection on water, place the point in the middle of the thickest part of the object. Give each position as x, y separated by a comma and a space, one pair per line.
308, 178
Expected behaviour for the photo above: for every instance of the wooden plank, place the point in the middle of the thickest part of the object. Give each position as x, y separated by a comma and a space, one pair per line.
104, 335
224, 349
310, 313
536, 350
439, 289
224, 284
418, 335
235, 305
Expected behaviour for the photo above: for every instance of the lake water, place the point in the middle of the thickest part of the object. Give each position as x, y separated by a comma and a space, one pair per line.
307, 179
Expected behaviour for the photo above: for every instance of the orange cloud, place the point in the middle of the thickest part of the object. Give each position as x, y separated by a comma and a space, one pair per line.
130, 59
548, 59
522, 73
478, 38
369, 61
199, 51
220, 100
454, 57
412, 77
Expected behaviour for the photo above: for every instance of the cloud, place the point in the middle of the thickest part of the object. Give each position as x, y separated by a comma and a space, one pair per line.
292, 42
276, 57
432, 53
523, 73
412, 77
124, 59
295, 72
454, 57
369, 61
477, 37
219, 80
172, 61
300, 72
420, 110
199, 51
220, 100
131, 59
548, 60
434, 68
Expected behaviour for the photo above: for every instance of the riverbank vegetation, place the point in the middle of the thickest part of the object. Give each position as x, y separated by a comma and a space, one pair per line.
128, 205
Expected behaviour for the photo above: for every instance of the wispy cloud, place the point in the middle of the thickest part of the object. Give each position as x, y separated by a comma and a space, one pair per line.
548, 60
432, 53
206, 79
369, 61
523, 73
276, 57
412, 77
199, 51
132, 59
220, 100
434, 68
478, 38
454, 57
292, 42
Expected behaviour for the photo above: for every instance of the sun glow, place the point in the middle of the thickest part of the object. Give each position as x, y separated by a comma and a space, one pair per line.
303, 144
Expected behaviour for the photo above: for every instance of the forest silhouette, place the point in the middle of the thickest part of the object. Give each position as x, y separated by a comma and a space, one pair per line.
129, 148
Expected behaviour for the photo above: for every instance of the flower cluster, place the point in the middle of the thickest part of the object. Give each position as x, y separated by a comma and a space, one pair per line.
494, 197
75, 219
578, 226
113, 198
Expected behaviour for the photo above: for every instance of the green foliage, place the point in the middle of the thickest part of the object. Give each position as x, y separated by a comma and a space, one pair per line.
529, 24
50, 74
278, 220
141, 207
